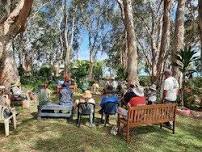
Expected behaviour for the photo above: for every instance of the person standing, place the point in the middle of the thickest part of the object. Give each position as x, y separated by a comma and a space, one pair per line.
170, 88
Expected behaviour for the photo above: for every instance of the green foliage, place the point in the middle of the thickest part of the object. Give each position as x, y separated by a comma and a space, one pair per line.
121, 74
97, 70
145, 80
79, 69
185, 58
45, 72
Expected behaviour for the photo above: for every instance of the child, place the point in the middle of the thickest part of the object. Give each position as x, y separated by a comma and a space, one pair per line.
152, 94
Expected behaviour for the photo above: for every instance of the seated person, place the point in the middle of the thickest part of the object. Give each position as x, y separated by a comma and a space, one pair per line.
65, 95
137, 100
108, 96
44, 95
129, 93
86, 98
17, 93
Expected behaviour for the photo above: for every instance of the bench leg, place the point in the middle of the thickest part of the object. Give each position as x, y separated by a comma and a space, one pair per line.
118, 125
161, 125
6, 125
173, 127
127, 134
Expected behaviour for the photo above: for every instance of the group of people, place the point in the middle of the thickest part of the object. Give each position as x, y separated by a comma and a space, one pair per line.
134, 96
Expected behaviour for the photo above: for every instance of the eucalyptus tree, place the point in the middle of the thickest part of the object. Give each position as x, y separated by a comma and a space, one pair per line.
132, 58
200, 23
13, 18
97, 27
179, 32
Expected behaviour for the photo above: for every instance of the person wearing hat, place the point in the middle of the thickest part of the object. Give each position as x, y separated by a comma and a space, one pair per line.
152, 94
86, 97
139, 98
129, 93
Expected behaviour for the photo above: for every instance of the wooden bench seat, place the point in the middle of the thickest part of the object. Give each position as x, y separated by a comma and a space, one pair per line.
147, 115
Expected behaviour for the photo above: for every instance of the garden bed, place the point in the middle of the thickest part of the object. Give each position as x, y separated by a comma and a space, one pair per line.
189, 113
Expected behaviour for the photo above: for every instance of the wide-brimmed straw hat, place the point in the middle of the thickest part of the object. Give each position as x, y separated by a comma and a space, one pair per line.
153, 87
87, 94
138, 90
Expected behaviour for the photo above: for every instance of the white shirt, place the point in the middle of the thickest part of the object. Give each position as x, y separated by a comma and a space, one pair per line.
171, 86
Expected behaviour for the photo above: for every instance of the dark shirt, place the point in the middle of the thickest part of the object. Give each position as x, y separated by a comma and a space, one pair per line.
128, 96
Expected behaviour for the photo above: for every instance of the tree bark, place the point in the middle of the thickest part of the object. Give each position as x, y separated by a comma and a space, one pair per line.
200, 24
165, 38
65, 38
8, 73
132, 64
179, 34
9, 28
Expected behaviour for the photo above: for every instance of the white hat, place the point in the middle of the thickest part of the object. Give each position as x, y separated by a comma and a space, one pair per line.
153, 87
139, 91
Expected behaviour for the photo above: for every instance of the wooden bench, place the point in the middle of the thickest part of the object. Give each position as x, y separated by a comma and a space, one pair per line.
147, 115
7, 120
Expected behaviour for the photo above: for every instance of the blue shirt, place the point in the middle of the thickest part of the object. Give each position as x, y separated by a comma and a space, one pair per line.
109, 98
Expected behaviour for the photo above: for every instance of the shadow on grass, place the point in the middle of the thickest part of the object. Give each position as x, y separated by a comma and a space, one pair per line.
81, 139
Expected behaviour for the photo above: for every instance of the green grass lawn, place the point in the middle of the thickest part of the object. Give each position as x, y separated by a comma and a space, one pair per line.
60, 135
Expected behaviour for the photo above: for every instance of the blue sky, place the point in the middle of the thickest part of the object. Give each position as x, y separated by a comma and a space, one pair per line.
83, 50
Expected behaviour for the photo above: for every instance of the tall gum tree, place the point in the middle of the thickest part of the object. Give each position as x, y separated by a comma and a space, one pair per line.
200, 23
179, 34
132, 63
165, 39
12, 22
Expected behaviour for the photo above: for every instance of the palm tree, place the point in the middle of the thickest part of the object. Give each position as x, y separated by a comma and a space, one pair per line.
184, 60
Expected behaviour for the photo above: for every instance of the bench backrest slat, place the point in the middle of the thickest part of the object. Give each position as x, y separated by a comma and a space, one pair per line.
151, 113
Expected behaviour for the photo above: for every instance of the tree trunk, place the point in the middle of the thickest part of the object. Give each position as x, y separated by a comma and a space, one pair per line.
8, 73
9, 28
179, 35
65, 38
165, 38
132, 64
200, 24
